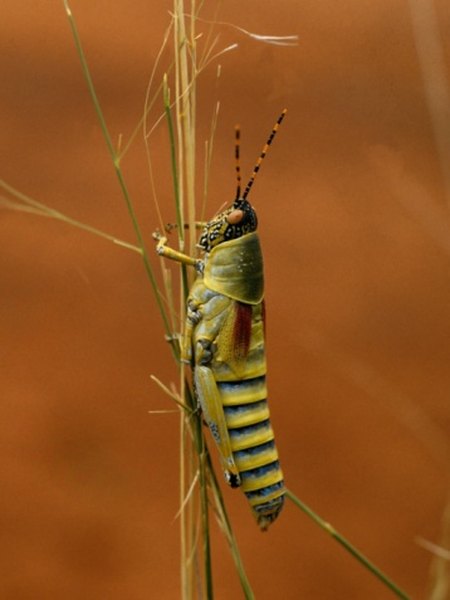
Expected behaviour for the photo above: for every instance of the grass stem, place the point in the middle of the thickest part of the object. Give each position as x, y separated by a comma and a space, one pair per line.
328, 528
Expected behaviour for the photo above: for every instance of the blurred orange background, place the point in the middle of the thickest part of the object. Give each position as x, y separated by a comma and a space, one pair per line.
352, 203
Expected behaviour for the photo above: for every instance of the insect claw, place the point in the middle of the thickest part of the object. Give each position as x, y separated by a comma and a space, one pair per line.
169, 227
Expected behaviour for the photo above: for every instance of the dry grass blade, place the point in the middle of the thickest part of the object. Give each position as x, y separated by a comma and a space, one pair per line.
275, 40
13, 205
188, 496
24, 203
174, 396
430, 52
435, 549
440, 565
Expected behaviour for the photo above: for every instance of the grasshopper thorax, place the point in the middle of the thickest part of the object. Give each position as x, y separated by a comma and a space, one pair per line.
230, 224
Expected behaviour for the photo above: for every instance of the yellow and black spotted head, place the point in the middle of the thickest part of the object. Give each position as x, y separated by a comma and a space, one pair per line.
230, 224
240, 218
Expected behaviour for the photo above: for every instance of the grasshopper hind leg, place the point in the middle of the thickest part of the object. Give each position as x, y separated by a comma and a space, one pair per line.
199, 349
210, 402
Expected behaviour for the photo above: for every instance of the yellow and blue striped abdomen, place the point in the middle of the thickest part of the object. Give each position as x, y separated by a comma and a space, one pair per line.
253, 445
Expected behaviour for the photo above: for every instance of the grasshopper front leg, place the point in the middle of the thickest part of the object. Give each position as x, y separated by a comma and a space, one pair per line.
164, 250
167, 252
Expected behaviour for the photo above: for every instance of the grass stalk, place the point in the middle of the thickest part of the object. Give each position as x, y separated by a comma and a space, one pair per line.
176, 185
186, 452
202, 452
328, 528
205, 524
184, 182
173, 157
187, 457
186, 112
227, 529
185, 516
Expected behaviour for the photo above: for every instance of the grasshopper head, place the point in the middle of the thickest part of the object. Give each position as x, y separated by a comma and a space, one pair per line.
240, 218
228, 225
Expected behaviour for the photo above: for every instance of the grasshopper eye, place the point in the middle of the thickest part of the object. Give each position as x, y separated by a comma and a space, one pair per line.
235, 217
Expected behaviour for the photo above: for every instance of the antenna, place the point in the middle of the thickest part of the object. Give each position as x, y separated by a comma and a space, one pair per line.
263, 153
236, 154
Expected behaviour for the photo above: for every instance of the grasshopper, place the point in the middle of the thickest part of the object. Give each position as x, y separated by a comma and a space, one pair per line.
224, 344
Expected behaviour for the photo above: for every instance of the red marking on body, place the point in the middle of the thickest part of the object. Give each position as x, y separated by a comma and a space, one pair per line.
242, 330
